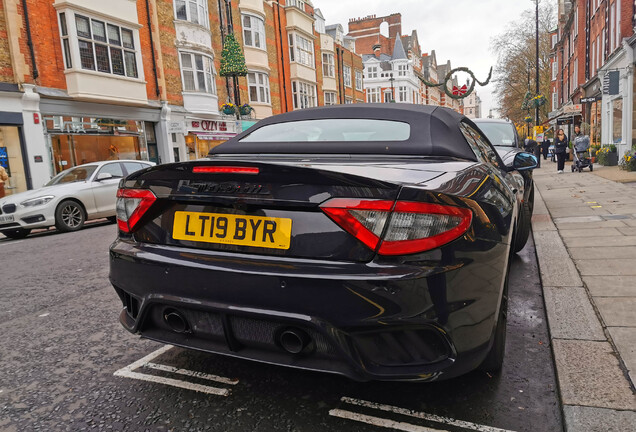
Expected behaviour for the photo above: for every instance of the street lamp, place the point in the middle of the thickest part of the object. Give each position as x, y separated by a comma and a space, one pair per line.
391, 79
536, 111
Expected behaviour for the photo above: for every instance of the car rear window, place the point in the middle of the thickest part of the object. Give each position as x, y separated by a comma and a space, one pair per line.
332, 130
499, 134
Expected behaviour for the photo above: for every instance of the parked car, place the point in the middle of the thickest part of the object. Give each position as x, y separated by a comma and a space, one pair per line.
368, 240
503, 135
68, 200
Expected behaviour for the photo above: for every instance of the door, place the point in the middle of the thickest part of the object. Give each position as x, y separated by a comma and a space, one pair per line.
105, 191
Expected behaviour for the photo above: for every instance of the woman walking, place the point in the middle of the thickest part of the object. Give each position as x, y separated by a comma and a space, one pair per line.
560, 145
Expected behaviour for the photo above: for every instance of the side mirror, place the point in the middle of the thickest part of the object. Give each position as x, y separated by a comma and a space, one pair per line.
524, 161
104, 176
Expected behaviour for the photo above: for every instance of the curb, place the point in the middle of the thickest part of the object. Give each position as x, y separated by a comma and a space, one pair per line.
594, 390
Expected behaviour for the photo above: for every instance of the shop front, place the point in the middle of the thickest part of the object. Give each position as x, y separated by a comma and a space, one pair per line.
13, 152
203, 135
592, 107
79, 140
81, 132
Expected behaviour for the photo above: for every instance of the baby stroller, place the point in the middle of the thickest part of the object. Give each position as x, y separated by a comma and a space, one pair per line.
581, 158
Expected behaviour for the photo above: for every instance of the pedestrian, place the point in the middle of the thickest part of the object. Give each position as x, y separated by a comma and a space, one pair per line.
545, 146
3, 178
581, 140
560, 146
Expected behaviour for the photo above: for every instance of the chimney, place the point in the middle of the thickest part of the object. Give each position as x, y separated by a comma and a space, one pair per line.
376, 50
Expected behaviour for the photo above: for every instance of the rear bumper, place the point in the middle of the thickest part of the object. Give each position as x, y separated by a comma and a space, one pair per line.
367, 321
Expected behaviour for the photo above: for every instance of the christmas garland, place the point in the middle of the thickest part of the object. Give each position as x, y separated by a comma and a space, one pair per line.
461, 92
232, 58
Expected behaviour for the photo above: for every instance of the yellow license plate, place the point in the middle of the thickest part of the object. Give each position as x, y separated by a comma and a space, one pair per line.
257, 231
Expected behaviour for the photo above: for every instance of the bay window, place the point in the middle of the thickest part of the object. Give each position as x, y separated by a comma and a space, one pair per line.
194, 11
197, 71
304, 95
301, 50
258, 84
103, 47
254, 32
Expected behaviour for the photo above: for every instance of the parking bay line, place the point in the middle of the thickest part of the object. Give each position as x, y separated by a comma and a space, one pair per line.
129, 372
406, 412
381, 422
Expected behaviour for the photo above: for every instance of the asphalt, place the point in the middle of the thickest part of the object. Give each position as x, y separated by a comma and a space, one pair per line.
584, 226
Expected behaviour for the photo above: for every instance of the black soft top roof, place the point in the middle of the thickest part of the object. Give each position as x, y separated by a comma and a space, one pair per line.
434, 132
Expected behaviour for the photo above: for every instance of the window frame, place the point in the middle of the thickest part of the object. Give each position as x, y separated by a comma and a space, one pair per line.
346, 75
188, 5
298, 54
88, 42
302, 93
374, 94
328, 65
261, 32
372, 71
332, 95
359, 79
195, 77
261, 87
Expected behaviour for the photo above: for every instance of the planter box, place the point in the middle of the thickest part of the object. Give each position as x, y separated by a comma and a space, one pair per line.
612, 159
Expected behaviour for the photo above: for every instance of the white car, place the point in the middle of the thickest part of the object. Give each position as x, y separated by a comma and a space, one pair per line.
68, 200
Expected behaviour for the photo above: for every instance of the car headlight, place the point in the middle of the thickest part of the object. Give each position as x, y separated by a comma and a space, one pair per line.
37, 201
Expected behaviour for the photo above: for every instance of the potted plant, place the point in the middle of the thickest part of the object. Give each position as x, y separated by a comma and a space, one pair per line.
628, 161
245, 109
607, 155
228, 108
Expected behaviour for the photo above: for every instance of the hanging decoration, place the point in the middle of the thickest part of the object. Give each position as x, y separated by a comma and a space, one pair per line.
458, 92
232, 58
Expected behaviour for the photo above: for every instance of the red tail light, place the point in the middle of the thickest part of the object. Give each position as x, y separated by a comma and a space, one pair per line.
131, 206
225, 170
412, 226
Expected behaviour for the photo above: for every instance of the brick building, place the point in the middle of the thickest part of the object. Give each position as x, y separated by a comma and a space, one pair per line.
91, 80
593, 44
394, 63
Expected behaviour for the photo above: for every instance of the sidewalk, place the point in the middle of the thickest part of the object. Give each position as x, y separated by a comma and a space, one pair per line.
584, 228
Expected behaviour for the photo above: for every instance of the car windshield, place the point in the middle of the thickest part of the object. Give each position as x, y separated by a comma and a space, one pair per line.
81, 173
499, 134
332, 130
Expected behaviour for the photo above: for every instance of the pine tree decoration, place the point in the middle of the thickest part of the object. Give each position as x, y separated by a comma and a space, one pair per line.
232, 58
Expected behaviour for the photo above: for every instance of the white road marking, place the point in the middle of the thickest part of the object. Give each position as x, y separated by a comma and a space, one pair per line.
187, 372
129, 372
174, 383
44, 315
423, 416
381, 422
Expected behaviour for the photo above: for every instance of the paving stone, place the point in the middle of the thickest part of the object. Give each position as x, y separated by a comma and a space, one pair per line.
617, 311
628, 231
589, 374
577, 219
615, 266
571, 315
598, 232
593, 241
610, 286
625, 341
590, 227
603, 253
576, 211
587, 419
557, 269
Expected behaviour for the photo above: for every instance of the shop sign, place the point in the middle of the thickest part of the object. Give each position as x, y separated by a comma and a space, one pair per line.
176, 127
568, 109
591, 99
38, 159
212, 129
565, 121
611, 83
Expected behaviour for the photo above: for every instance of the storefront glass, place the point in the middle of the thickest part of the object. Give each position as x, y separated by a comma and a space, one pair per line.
79, 140
11, 160
595, 122
617, 121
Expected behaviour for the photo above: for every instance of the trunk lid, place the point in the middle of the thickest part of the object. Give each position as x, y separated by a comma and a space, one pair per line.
273, 212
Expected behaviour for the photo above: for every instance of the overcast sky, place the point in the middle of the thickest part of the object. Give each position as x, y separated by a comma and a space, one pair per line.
458, 30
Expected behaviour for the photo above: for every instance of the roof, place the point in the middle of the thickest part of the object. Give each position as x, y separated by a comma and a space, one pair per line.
398, 50
434, 132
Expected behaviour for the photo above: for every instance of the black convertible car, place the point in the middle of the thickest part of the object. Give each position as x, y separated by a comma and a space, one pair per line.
372, 241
